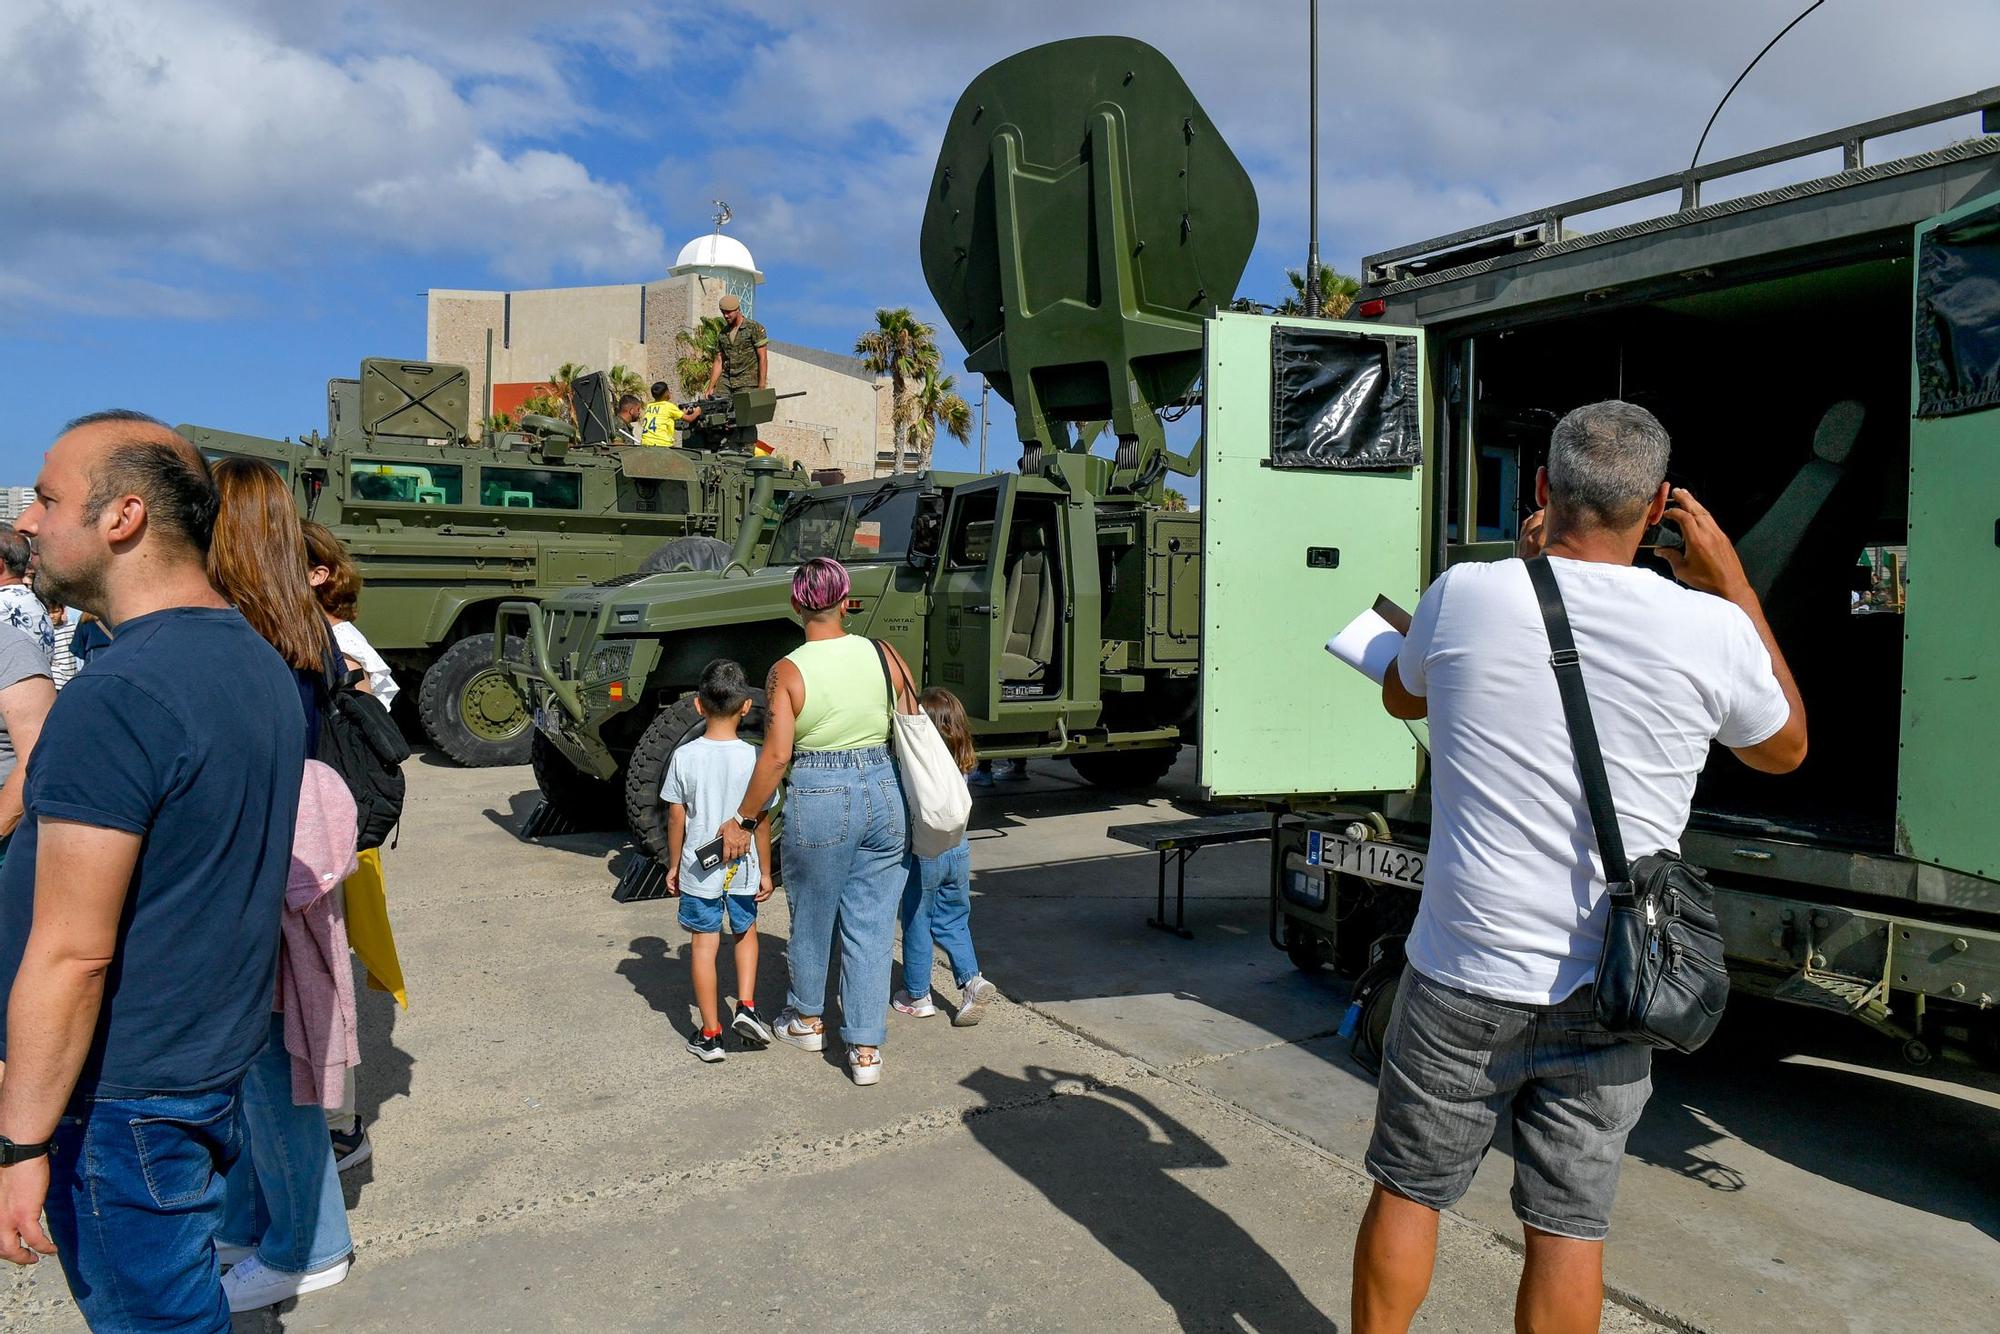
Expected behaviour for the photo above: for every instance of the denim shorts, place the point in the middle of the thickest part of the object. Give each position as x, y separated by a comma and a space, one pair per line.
1454, 1063
704, 916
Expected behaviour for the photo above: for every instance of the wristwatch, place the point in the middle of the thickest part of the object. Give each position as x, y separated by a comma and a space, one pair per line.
749, 822
11, 1153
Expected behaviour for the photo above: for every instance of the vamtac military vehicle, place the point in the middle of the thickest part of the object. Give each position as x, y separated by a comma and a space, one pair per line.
1084, 216
444, 530
1826, 357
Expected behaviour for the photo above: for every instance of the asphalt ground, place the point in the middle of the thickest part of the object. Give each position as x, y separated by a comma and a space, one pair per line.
1148, 1134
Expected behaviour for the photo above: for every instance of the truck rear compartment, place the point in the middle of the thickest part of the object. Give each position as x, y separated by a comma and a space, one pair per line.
1741, 376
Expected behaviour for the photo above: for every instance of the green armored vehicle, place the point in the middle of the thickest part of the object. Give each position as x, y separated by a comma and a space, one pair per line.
444, 530
1060, 604
1826, 356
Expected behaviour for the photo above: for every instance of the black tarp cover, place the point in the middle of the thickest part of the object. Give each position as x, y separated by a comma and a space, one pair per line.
1343, 400
1958, 316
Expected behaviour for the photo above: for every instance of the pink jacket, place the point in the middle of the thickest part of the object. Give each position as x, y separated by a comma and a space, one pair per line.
315, 980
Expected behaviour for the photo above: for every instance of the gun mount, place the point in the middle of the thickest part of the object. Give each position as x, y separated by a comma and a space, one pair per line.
730, 421
1085, 216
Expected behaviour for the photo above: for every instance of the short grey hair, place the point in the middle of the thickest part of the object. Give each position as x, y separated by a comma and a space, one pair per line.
1606, 462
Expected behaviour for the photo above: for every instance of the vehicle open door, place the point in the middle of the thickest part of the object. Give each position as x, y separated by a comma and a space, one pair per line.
1951, 644
1312, 507
969, 594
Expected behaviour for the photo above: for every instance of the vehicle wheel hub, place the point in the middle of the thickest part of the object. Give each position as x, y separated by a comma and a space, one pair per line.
492, 708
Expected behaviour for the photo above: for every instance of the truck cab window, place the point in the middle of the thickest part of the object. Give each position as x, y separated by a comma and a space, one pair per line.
406, 483
530, 488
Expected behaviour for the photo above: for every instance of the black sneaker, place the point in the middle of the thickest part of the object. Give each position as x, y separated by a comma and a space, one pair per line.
706, 1048
753, 1031
350, 1147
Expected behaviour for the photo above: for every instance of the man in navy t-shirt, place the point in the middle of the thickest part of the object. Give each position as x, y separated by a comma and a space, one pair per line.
140, 901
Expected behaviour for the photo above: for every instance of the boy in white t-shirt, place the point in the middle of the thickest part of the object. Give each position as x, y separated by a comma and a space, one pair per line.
705, 783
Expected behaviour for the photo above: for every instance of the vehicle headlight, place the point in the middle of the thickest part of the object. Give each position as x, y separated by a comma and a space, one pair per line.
610, 661
1307, 889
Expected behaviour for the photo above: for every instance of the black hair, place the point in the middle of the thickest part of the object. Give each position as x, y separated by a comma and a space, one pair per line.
724, 687
14, 552
659, 390
629, 401
163, 469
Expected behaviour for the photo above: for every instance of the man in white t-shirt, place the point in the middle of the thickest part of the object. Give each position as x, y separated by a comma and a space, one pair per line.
1494, 1014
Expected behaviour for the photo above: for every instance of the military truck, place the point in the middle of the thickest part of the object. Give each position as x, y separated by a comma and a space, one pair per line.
1826, 356
1084, 216
445, 530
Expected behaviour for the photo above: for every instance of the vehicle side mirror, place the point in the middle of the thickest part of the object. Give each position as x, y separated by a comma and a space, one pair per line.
926, 532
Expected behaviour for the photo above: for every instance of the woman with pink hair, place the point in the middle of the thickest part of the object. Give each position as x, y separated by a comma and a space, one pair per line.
846, 838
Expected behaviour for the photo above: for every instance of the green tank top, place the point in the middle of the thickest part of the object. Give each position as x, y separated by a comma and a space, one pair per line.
847, 702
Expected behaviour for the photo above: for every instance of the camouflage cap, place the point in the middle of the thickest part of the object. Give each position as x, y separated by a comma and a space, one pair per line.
729, 302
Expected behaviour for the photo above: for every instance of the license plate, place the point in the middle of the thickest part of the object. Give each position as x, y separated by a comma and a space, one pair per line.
1384, 863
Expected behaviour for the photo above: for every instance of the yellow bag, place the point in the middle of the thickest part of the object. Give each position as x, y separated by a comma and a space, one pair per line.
368, 932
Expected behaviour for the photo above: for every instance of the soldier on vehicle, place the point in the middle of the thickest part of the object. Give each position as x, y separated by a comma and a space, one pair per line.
657, 420
629, 409
742, 353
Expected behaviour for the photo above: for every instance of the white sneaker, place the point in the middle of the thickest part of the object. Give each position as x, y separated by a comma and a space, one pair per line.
978, 994
253, 1285
227, 1255
794, 1031
917, 1007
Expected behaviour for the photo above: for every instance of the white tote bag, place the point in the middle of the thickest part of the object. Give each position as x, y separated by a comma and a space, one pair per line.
940, 802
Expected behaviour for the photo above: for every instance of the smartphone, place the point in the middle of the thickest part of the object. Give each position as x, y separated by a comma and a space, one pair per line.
709, 855
1663, 536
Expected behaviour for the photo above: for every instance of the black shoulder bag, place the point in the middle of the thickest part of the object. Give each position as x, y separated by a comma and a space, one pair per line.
1661, 980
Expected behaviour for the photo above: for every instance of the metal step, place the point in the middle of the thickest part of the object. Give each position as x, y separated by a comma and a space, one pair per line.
1854, 996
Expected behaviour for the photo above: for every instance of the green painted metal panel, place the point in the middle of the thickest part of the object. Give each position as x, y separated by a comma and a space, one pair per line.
1950, 764
1279, 716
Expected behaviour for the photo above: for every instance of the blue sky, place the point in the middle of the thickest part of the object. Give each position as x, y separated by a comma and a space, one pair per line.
214, 206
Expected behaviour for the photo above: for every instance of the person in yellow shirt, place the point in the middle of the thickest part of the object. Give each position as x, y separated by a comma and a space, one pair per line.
658, 418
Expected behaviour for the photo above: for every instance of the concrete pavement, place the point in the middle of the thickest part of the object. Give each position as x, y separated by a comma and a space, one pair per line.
1150, 1134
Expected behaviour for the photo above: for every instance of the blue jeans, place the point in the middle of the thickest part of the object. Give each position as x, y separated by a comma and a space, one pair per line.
135, 1191
937, 909
284, 1194
847, 854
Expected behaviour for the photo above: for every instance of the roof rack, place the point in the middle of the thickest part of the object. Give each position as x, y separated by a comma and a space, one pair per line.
1525, 231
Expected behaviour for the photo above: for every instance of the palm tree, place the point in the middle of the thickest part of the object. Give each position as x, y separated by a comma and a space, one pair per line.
1336, 293
544, 404
562, 384
694, 354
902, 347
498, 422
936, 403
623, 380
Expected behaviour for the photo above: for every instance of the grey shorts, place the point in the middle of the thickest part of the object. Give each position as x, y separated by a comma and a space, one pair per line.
1454, 1063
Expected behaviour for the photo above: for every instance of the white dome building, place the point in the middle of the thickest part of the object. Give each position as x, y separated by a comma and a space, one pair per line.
715, 258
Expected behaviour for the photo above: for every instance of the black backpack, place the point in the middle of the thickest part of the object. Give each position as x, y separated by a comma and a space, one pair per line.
361, 743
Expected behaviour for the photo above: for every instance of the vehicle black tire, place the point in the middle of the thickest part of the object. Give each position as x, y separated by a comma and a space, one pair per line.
1124, 769
588, 803
1305, 948
471, 711
646, 770
688, 553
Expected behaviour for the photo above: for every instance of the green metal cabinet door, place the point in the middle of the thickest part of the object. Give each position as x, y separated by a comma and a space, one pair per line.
969, 593
1290, 554
1950, 768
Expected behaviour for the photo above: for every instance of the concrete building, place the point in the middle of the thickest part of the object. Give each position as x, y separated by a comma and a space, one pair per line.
14, 501
842, 424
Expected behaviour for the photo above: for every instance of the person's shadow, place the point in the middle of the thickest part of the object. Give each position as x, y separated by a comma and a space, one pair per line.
659, 973
1107, 1166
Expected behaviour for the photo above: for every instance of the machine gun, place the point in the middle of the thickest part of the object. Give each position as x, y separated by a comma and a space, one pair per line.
1085, 217
730, 421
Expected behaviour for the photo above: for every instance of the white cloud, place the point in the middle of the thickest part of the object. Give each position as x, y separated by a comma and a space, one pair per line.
252, 135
